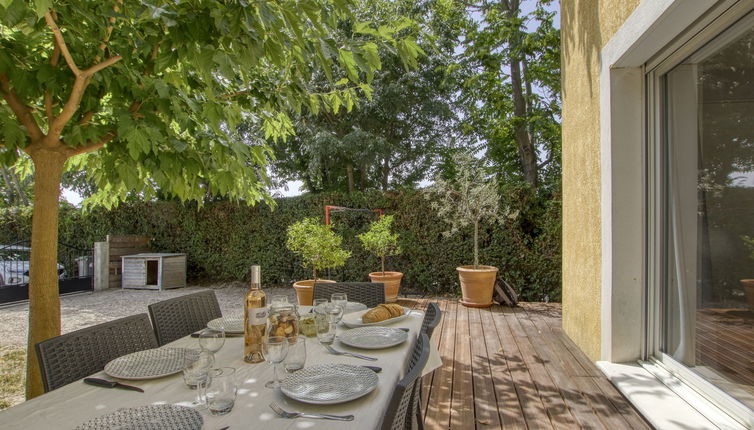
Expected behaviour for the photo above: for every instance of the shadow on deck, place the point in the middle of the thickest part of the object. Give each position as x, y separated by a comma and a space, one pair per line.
514, 368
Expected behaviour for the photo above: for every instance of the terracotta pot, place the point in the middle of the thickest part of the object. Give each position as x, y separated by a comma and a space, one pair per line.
477, 285
392, 281
305, 290
748, 285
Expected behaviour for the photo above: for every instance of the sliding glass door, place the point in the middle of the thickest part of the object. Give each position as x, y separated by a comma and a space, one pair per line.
702, 210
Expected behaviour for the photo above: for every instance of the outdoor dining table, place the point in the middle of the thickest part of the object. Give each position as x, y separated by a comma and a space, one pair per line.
76, 403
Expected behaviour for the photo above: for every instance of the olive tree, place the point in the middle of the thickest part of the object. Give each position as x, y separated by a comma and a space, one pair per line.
146, 96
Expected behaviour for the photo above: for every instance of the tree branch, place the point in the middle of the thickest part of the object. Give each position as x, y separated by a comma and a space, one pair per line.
99, 66
546, 162
58, 35
20, 109
92, 145
86, 118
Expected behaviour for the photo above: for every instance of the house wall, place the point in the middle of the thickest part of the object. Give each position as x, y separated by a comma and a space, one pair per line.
587, 25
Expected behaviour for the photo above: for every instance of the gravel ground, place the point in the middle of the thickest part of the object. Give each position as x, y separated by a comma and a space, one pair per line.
82, 310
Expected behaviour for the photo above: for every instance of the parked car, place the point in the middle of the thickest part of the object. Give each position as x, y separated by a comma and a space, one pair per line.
14, 265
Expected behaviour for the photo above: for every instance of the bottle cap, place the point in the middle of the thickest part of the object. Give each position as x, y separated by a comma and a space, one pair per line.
256, 274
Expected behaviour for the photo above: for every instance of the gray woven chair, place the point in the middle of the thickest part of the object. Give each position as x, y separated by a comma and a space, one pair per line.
432, 317
72, 356
368, 293
178, 317
401, 409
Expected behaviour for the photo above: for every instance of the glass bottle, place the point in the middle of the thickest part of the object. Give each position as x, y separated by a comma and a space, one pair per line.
255, 319
283, 321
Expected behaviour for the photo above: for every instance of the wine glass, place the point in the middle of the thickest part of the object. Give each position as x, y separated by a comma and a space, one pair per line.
211, 340
196, 374
340, 299
275, 350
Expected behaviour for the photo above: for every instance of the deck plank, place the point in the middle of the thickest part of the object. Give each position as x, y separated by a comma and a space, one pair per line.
462, 405
438, 410
485, 400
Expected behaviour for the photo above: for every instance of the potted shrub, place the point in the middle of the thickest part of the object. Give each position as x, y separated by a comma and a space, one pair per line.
466, 201
380, 241
319, 249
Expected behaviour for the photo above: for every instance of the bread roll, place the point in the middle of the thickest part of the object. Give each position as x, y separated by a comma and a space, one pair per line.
375, 315
395, 309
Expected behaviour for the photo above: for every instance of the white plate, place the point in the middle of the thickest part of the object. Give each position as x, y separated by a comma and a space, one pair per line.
354, 319
149, 364
153, 417
373, 337
232, 324
328, 384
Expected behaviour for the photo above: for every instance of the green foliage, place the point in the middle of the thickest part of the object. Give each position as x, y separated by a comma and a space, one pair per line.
467, 199
183, 75
317, 245
380, 240
222, 239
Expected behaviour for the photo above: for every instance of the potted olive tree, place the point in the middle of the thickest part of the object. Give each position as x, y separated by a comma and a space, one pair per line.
319, 249
466, 201
380, 241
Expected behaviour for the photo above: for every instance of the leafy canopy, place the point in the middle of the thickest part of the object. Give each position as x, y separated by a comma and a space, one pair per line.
380, 240
172, 81
467, 199
317, 245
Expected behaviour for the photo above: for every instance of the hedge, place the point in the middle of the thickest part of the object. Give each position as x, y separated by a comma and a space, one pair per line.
223, 239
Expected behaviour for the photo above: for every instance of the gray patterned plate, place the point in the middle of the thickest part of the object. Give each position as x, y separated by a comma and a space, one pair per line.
354, 319
152, 417
373, 337
149, 364
328, 384
232, 324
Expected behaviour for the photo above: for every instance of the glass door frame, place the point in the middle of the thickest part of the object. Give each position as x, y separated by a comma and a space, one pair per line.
741, 14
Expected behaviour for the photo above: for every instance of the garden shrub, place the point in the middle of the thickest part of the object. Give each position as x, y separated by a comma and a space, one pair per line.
223, 239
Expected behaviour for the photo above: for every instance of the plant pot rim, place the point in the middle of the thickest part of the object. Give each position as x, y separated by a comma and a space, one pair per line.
387, 274
297, 284
482, 268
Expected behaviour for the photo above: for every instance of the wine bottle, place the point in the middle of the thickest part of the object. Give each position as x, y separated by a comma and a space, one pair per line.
255, 319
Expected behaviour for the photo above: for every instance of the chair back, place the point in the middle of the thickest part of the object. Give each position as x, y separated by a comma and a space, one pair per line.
72, 356
180, 316
401, 409
368, 293
432, 317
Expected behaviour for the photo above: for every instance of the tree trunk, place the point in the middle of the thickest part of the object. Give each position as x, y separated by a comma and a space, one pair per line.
19, 189
349, 172
385, 173
526, 150
476, 244
8, 185
44, 300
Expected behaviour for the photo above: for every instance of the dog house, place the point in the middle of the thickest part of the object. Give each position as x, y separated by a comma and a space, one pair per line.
154, 271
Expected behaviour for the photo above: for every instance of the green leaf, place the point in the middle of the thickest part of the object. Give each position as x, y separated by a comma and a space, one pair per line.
42, 6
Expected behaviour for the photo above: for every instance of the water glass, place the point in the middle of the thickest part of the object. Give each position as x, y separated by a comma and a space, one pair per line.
325, 331
275, 350
221, 391
278, 300
196, 374
296, 357
211, 340
339, 299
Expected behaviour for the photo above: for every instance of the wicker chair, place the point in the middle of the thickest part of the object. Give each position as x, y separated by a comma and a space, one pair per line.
72, 356
432, 318
368, 293
401, 409
178, 317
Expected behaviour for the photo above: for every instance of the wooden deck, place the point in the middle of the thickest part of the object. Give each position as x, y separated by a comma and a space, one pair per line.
514, 368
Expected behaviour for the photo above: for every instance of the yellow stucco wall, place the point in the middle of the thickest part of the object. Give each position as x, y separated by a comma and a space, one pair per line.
587, 25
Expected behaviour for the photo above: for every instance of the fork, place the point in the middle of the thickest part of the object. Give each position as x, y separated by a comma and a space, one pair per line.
350, 354
285, 414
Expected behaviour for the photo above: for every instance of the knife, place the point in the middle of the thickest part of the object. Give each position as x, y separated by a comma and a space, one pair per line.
376, 369
110, 384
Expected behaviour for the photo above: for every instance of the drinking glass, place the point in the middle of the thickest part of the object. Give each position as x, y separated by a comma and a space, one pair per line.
339, 299
196, 374
278, 300
221, 390
317, 304
211, 340
296, 357
275, 350
325, 330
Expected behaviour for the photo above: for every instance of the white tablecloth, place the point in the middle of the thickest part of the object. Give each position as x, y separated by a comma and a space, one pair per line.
69, 406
